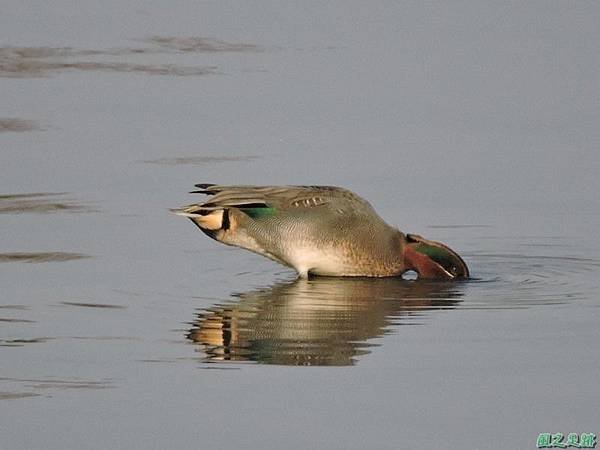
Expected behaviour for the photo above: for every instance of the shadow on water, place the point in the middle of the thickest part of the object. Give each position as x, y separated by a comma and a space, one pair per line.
41, 257
199, 160
26, 62
41, 203
196, 44
14, 124
320, 322
37, 386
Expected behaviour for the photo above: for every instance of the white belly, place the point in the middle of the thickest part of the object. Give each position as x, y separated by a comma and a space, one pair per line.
318, 261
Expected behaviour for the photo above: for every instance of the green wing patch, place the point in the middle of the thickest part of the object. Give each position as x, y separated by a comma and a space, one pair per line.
258, 212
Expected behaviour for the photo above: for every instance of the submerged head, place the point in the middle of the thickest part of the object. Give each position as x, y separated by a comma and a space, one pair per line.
432, 259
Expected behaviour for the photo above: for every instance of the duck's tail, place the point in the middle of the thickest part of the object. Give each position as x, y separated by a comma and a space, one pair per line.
209, 218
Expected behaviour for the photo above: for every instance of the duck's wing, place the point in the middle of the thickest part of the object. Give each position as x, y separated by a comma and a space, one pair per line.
257, 201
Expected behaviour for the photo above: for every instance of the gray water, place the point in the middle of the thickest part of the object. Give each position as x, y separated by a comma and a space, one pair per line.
472, 123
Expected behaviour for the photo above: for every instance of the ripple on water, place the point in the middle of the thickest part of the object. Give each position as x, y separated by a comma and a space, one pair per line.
515, 280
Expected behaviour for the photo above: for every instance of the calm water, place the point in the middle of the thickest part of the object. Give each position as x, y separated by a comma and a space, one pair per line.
122, 326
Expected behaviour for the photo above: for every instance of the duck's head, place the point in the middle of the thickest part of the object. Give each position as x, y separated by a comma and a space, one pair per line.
433, 260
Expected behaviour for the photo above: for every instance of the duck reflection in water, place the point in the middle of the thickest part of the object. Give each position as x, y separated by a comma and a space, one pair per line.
317, 322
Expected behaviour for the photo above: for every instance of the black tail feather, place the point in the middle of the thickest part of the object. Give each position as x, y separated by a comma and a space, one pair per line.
204, 189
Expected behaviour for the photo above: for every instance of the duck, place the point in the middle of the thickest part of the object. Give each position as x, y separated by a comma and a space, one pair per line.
318, 231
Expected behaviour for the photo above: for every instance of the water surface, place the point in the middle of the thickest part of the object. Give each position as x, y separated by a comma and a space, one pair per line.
122, 326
